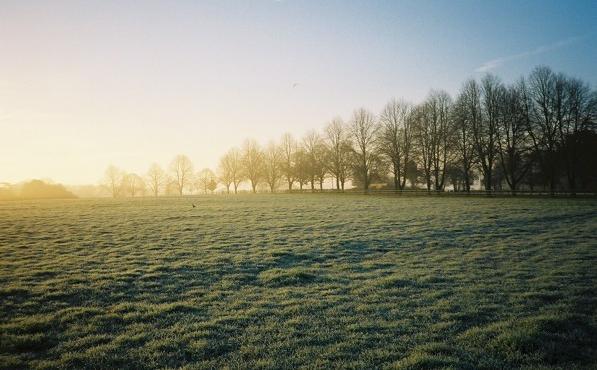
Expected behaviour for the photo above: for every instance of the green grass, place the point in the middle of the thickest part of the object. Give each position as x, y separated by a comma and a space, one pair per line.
312, 281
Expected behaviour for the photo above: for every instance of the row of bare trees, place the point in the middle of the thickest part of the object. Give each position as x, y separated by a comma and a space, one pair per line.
537, 132
178, 179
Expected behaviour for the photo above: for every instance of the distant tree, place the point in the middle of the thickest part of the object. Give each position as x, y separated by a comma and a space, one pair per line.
253, 163
288, 166
37, 189
413, 173
364, 131
273, 164
113, 180
340, 151
394, 139
302, 167
230, 169
181, 169
321, 164
7, 191
156, 179
315, 152
171, 186
206, 180
133, 184
454, 177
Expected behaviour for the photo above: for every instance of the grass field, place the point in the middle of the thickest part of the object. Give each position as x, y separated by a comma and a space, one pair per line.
312, 281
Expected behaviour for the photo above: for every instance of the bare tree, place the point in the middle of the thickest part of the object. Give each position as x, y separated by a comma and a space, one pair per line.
364, 130
543, 128
422, 121
288, 165
302, 167
481, 108
156, 179
321, 163
230, 169
340, 151
512, 137
181, 168
464, 144
434, 134
442, 135
206, 180
273, 164
252, 159
133, 184
113, 180
171, 187
394, 139
486, 131
580, 116
313, 145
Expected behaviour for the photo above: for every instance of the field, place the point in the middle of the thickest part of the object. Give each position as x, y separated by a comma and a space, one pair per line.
286, 281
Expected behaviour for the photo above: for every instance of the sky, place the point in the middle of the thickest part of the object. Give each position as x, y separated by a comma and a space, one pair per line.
86, 84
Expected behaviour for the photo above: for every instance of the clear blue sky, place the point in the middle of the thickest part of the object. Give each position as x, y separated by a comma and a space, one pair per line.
87, 83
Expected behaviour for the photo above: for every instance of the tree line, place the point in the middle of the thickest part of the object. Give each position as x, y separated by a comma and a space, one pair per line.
536, 133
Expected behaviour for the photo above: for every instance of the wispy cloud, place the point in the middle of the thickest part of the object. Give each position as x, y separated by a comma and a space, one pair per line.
495, 63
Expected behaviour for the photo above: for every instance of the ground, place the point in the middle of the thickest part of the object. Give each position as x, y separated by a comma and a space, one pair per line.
317, 281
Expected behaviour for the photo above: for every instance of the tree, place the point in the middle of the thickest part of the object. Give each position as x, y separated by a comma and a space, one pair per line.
463, 139
289, 149
230, 169
302, 167
321, 163
156, 179
434, 136
340, 151
395, 139
206, 180
252, 160
422, 118
413, 173
315, 151
364, 130
133, 184
442, 133
543, 129
512, 137
481, 110
485, 129
181, 168
580, 116
113, 180
273, 164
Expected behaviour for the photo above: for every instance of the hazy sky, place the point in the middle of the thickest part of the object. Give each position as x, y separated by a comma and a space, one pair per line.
84, 84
